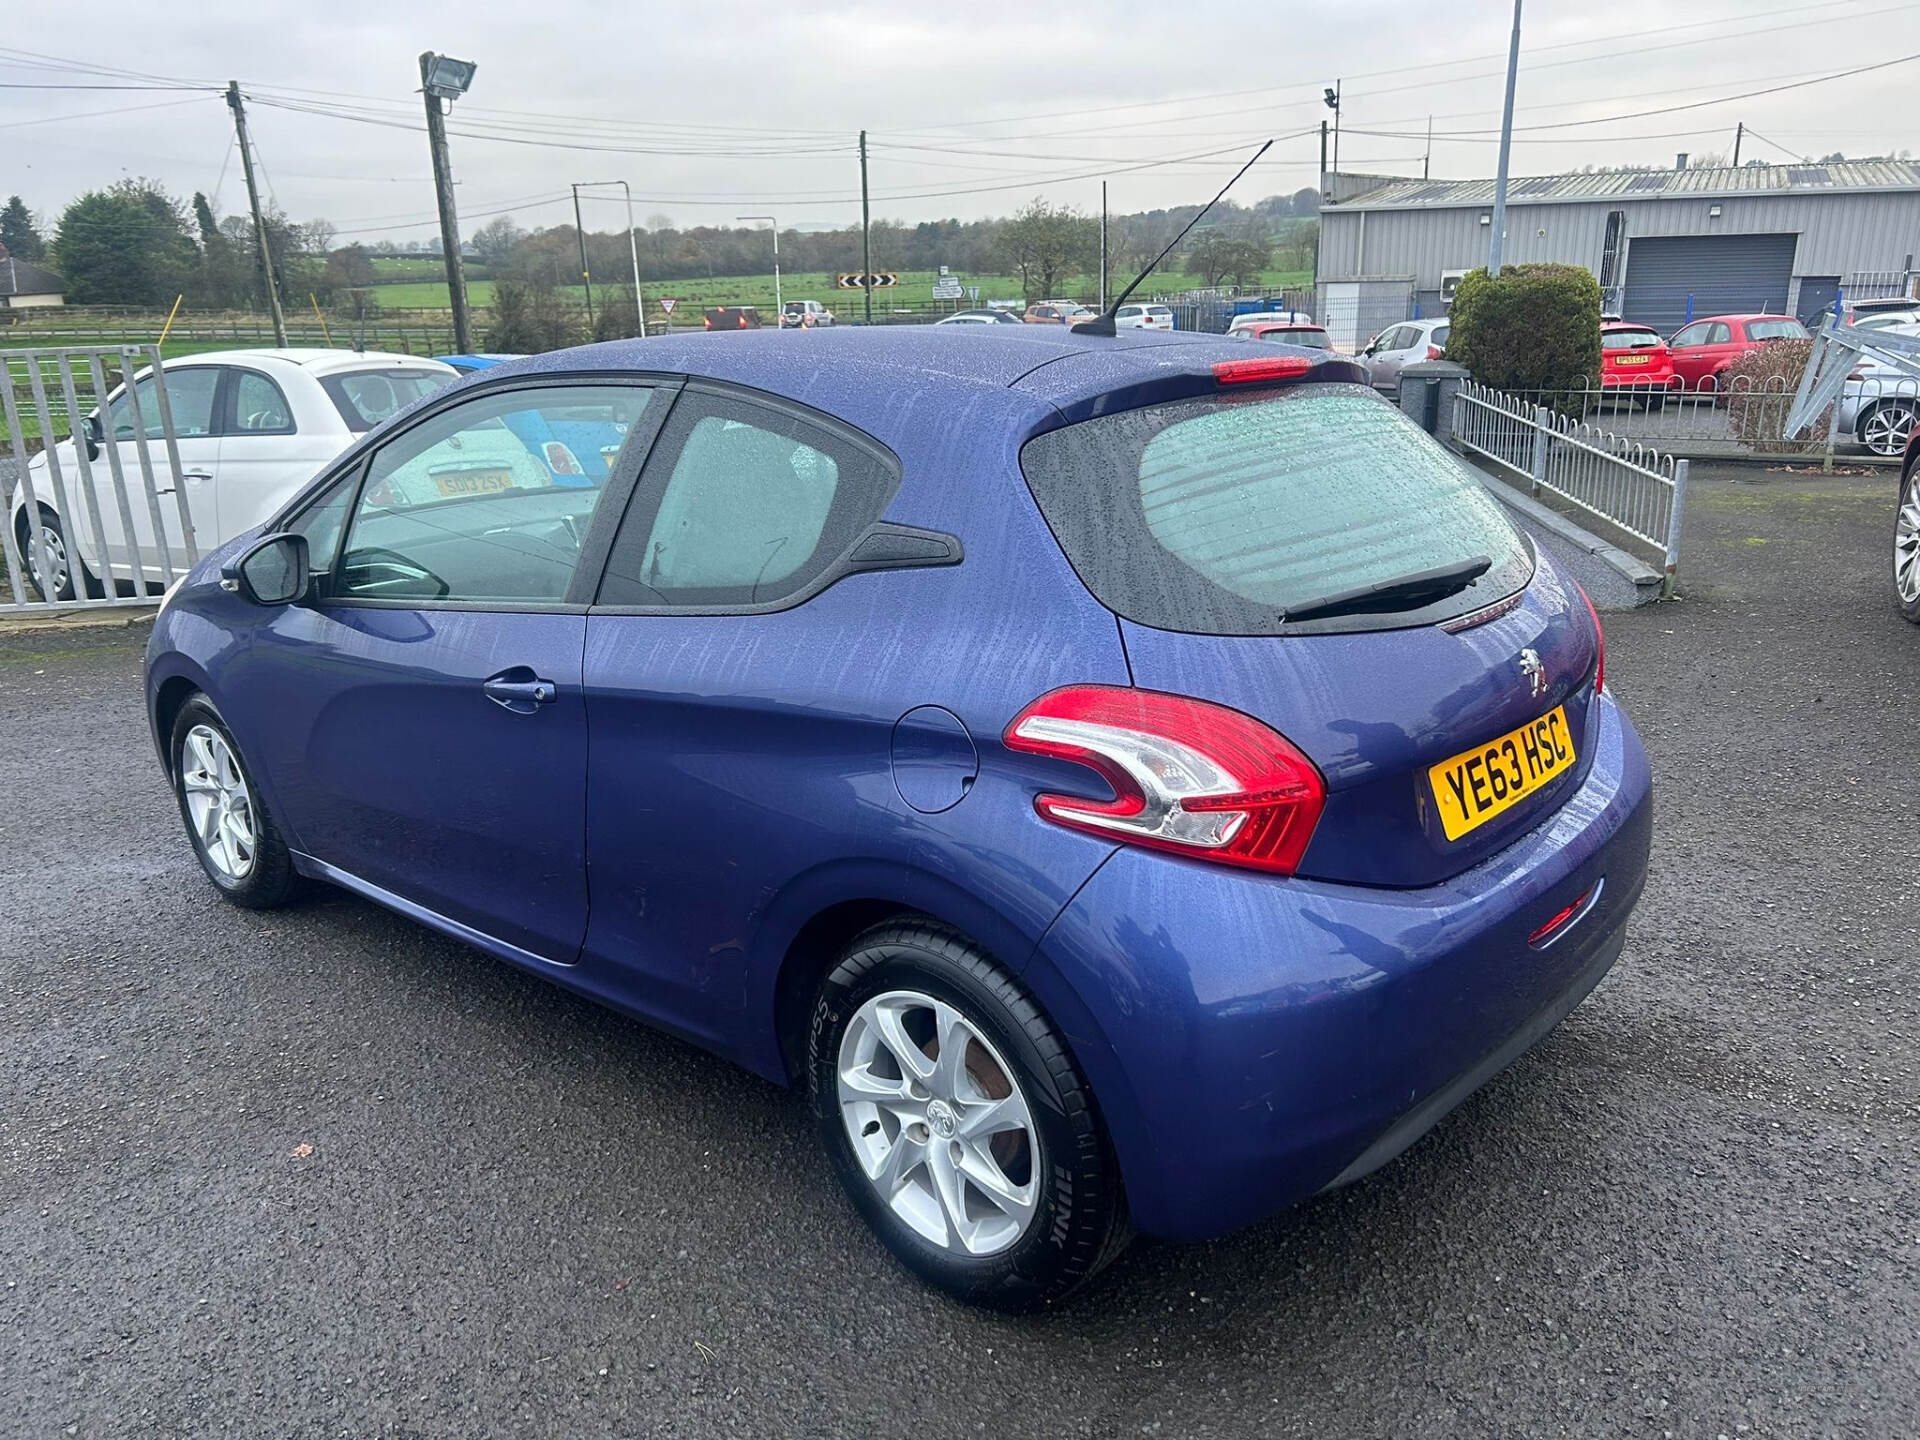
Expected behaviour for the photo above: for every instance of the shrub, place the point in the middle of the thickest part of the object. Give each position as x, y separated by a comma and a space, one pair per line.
530, 317
1535, 327
1758, 391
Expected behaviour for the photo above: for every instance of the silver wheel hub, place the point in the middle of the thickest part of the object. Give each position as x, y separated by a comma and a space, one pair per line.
1906, 543
56, 557
218, 805
938, 1123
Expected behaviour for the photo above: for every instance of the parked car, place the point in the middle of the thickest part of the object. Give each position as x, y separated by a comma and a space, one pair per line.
1906, 533
731, 317
1702, 351
467, 364
1283, 332
1879, 403
1635, 358
1164, 923
1143, 317
1399, 346
252, 427
980, 317
1057, 312
804, 315
1907, 307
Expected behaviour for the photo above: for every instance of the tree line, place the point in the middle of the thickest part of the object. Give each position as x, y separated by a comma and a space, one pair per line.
134, 243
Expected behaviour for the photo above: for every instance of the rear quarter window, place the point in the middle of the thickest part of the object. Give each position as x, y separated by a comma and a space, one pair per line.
1217, 516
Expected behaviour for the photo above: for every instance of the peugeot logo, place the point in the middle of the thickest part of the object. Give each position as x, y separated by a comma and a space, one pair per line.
1535, 672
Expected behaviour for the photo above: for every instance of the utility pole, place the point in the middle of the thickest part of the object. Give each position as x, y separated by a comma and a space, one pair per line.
1426, 161
1739, 134
1332, 97
1103, 247
866, 244
259, 221
580, 234
1498, 240
1323, 157
444, 78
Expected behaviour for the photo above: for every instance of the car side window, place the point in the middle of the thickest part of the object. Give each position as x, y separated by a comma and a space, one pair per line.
258, 406
489, 500
1694, 334
323, 522
1398, 338
1719, 334
190, 393
743, 505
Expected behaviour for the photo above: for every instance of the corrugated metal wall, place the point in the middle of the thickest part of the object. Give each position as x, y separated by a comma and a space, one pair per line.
1839, 234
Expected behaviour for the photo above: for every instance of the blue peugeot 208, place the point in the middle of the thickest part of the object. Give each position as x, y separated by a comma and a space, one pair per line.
1133, 784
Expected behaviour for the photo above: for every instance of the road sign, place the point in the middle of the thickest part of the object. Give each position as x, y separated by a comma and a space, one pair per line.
879, 280
947, 287
667, 305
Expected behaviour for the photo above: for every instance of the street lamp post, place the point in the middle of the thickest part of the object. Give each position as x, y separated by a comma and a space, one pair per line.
776, 256
1496, 243
633, 245
443, 78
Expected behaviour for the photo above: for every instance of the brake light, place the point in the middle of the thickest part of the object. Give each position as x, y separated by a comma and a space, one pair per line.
1599, 642
1266, 367
743, 322
708, 322
1188, 777
1433, 352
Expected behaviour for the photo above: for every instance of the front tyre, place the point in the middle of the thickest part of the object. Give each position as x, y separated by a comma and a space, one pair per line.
1906, 546
958, 1122
233, 834
1885, 428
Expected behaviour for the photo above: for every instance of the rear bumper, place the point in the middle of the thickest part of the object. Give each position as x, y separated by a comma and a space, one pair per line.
1264, 1040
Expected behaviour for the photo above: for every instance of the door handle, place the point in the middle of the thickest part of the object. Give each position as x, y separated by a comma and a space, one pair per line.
199, 476
512, 692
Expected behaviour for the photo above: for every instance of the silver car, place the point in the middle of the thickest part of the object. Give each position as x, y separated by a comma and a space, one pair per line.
1880, 403
1398, 346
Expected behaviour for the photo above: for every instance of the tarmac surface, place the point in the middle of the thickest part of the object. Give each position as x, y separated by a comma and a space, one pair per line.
323, 1173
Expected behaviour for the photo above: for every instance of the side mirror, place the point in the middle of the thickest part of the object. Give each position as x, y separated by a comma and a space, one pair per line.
273, 572
89, 433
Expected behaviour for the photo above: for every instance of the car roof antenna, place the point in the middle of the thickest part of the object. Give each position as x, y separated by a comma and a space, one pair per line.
1104, 324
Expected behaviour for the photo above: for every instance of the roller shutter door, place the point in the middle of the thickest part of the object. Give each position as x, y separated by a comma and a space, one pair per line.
1725, 275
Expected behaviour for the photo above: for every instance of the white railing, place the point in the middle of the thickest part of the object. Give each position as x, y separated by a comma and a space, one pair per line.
1631, 486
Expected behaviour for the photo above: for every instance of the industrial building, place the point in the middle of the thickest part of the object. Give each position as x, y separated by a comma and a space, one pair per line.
1664, 244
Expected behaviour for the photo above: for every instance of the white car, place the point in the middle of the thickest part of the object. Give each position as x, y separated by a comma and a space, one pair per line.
1143, 317
804, 315
251, 427
1398, 346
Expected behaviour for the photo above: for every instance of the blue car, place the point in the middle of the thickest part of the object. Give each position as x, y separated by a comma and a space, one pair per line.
1132, 784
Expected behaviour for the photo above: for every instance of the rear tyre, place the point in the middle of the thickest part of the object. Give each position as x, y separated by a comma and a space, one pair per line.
61, 559
959, 1124
1885, 428
233, 834
1906, 546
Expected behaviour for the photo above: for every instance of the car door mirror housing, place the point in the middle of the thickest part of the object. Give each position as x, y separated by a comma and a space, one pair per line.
273, 572
88, 434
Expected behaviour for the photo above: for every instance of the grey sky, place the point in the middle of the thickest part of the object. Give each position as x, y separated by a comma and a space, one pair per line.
956, 97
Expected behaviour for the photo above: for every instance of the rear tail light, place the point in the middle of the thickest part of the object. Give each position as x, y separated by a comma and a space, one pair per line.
743, 322
1433, 352
708, 322
1547, 931
1263, 370
1188, 777
1599, 642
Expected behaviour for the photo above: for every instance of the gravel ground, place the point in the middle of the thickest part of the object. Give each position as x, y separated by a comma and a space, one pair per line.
1691, 1211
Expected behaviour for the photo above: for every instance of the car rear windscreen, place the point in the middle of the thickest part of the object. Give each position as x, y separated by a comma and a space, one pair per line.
1776, 330
366, 397
1628, 339
1215, 516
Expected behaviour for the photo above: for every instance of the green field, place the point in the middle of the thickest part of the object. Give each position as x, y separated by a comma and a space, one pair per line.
914, 292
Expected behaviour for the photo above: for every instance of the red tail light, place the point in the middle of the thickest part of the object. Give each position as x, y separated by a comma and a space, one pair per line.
1433, 352
1188, 777
743, 322
1266, 367
708, 322
1599, 643
1547, 930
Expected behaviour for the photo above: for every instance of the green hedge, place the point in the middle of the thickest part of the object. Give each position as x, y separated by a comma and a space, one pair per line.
1535, 327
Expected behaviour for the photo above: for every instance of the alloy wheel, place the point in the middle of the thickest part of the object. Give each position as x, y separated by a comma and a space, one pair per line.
1886, 430
1906, 542
938, 1123
56, 556
218, 804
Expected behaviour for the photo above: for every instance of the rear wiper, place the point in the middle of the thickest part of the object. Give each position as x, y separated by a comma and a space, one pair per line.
1409, 592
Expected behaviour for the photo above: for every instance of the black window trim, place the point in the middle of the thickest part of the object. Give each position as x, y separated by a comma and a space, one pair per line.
352, 469
227, 403
879, 545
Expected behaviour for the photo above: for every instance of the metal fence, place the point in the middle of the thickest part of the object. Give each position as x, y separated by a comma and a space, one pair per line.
104, 519
1629, 485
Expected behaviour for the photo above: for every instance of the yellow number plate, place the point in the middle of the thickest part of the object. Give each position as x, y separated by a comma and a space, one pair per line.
1632, 360
473, 482
1476, 785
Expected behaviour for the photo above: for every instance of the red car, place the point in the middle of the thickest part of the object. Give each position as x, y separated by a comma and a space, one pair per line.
1702, 350
1636, 356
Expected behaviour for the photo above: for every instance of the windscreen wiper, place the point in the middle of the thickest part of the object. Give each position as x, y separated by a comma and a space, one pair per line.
1409, 592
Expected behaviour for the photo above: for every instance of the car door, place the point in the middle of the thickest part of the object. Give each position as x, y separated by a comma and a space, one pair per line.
715, 738
133, 480
1690, 358
266, 453
1391, 355
421, 715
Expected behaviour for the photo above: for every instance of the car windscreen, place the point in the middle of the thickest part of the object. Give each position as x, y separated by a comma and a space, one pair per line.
1628, 339
366, 397
1776, 330
1313, 338
1215, 516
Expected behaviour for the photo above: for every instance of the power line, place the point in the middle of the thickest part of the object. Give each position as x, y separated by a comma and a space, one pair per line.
91, 114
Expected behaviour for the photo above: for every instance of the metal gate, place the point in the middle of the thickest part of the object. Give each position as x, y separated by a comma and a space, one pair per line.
93, 497
1672, 279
